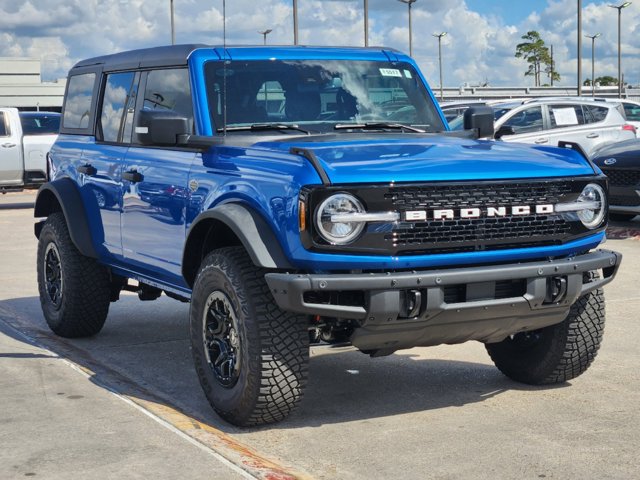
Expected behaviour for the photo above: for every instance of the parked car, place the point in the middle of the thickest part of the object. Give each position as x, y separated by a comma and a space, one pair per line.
546, 121
621, 163
452, 110
316, 225
25, 139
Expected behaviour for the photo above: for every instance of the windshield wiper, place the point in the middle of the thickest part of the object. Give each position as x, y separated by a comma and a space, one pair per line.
378, 126
262, 127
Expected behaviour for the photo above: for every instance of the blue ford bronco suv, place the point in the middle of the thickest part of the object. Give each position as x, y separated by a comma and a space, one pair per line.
296, 195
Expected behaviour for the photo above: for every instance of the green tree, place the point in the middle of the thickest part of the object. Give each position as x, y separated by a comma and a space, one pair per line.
606, 81
534, 51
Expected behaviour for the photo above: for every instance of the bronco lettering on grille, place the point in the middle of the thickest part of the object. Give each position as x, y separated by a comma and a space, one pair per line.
451, 214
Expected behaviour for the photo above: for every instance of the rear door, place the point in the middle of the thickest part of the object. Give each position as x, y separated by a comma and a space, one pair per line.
11, 163
155, 184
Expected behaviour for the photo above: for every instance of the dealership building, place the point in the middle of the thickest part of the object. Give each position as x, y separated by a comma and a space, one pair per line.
21, 86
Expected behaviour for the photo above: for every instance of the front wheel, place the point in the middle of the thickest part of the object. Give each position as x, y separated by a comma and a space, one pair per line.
556, 353
251, 357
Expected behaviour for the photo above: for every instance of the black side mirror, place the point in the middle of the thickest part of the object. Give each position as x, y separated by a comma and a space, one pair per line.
479, 119
161, 127
505, 130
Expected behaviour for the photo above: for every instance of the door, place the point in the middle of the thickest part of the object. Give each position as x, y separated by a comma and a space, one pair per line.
155, 185
102, 160
11, 170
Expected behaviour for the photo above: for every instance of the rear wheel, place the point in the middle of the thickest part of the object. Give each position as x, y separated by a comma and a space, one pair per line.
250, 356
621, 217
556, 353
74, 289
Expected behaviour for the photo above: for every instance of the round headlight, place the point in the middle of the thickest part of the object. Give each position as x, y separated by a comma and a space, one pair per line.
594, 195
340, 232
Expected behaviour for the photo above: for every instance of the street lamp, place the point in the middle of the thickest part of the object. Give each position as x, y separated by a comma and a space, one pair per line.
593, 62
366, 23
579, 48
409, 3
295, 22
173, 28
619, 8
264, 34
439, 37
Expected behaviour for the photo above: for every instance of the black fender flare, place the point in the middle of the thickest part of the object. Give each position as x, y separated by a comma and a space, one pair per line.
249, 227
65, 193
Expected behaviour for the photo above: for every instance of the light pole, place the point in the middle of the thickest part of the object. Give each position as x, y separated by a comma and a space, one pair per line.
579, 48
593, 62
409, 3
366, 23
264, 34
619, 8
439, 37
173, 28
295, 22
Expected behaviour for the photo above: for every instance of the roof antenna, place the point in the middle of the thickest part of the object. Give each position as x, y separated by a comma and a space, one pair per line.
224, 68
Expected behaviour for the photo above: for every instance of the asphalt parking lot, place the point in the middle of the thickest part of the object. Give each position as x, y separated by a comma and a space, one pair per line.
127, 403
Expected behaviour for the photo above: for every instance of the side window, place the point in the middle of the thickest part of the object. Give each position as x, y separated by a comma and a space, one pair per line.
4, 131
78, 104
116, 98
595, 113
525, 121
169, 90
632, 111
566, 115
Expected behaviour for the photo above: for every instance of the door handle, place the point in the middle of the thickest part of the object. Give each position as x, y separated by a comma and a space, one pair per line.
8, 145
87, 169
593, 135
542, 140
133, 176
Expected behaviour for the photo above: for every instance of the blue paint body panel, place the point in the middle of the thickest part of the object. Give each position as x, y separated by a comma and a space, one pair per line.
140, 229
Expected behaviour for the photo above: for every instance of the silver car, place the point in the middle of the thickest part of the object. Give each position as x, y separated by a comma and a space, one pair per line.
547, 121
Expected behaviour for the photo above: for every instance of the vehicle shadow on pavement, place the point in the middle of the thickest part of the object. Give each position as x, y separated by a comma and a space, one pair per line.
143, 353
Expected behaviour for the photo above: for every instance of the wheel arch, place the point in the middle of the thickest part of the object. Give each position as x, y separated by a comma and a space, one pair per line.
231, 224
62, 195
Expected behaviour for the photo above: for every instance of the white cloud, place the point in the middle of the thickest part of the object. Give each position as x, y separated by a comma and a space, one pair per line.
478, 47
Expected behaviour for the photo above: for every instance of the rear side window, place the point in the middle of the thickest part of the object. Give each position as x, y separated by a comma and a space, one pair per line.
77, 107
632, 111
566, 116
116, 98
4, 131
595, 113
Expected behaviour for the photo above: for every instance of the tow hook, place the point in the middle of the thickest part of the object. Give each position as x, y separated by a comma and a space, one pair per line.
556, 289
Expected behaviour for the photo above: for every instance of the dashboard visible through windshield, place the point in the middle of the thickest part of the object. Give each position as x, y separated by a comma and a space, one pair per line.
318, 95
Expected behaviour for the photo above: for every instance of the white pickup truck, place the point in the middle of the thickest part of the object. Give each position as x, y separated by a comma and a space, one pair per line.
25, 140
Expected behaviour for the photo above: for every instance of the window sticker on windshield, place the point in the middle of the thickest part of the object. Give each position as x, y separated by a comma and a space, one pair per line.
407, 74
565, 116
390, 72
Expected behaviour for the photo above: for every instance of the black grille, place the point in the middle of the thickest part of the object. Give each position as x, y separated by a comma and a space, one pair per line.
479, 233
622, 178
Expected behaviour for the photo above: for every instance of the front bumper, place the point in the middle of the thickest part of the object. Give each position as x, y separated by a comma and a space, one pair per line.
624, 199
479, 315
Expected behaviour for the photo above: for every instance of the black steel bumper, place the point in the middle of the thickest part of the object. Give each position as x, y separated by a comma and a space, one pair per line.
478, 316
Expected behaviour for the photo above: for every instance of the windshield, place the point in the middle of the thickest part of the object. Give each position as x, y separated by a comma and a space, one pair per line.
318, 94
40, 123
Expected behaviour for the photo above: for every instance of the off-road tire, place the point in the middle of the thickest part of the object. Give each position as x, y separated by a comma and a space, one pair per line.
83, 304
273, 351
557, 353
621, 217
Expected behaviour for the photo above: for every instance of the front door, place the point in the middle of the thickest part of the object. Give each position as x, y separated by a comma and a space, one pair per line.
11, 170
155, 181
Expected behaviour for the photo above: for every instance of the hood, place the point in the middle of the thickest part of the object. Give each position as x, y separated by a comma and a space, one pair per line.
619, 155
384, 158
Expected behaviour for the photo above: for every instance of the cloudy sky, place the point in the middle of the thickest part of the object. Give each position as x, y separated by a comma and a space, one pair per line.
479, 47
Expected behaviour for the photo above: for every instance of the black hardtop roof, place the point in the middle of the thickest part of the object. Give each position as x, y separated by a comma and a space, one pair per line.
176, 55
